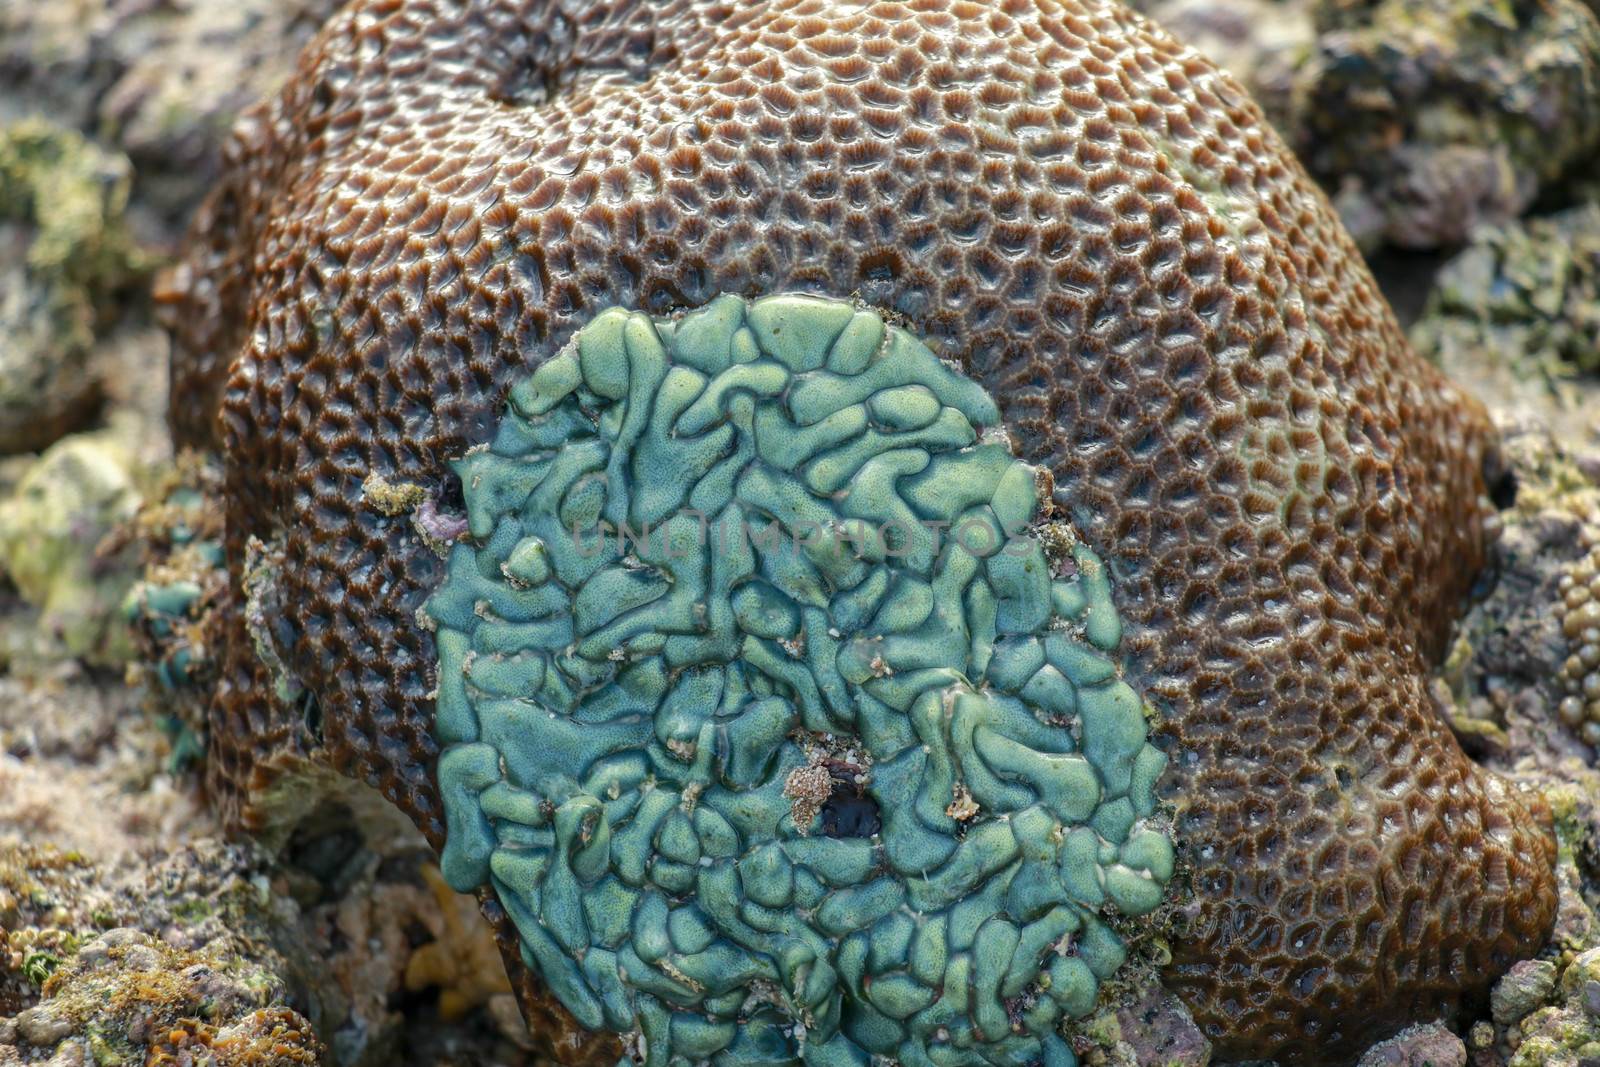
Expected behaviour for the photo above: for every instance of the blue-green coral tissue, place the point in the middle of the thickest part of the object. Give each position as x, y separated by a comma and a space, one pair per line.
768, 544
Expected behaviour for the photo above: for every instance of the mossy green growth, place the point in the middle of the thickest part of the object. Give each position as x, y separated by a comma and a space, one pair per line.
76, 493
62, 206
766, 715
1527, 294
74, 196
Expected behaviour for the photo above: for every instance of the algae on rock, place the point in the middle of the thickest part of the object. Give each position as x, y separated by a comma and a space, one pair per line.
73, 496
1527, 293
65, 251
188, 957
1429, 118
178, 535
163, 82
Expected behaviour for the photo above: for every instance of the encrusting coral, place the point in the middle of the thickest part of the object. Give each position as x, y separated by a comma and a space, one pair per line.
1097, 230
703, 552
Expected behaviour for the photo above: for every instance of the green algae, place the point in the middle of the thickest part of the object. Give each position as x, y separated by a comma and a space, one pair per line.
62, 211
767, 717
1527, 294
74, 197
79, 491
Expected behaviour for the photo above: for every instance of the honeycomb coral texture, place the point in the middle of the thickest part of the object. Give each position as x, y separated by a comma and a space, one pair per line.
1087, 218
703, 540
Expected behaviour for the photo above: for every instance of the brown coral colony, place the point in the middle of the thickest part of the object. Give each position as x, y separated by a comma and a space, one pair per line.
1090, 219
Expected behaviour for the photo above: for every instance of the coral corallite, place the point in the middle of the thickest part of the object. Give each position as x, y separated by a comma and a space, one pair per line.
1077, 248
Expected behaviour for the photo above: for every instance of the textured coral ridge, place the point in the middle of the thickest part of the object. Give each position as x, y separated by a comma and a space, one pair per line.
719, 556
1089, 219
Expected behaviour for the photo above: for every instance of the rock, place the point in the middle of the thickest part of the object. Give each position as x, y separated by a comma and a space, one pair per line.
208, 947
71, 1054
1525, 294
1591, 996
160, 81
43, 1027
1160, 1032
1501, 684
1524, 988
508, 1022
1581, 981
1565, 1033
66, 252
141, 958
1432, 117
123, 991
68, 501
1425, 1045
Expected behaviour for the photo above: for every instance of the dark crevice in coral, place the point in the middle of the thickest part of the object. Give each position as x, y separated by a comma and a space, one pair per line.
451, 497
1406, 278
1503, 488
328, 846
847, 813
311, 715
526, 83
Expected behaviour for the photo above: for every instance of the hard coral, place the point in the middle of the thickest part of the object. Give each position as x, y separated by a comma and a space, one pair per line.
706, 552
1089, 220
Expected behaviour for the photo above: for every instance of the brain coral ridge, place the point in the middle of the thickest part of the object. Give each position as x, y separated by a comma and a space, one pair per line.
707, 551
1084, 223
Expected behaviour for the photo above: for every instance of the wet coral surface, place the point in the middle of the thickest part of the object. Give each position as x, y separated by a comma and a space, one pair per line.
762, 679
1090, 220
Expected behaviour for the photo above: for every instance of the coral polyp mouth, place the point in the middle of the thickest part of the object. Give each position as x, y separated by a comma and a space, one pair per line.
765, 712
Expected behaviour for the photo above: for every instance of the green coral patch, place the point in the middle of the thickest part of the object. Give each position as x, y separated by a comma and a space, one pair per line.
767, 717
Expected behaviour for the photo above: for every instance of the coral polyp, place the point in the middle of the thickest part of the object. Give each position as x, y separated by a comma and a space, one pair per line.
765, 711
